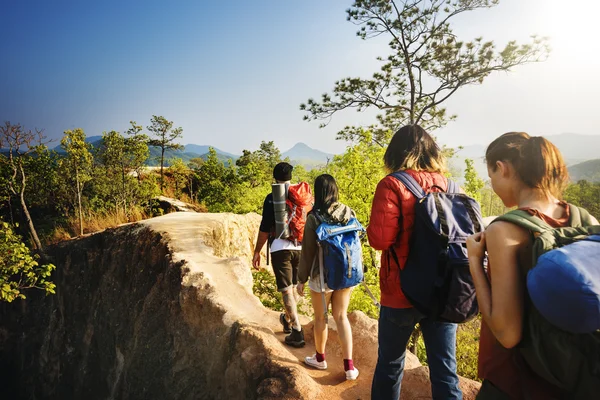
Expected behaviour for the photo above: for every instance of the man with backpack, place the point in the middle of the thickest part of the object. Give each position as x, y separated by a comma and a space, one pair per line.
285, 248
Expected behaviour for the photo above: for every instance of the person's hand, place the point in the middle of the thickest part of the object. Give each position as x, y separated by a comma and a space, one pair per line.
256, 260
300, 289
476, 246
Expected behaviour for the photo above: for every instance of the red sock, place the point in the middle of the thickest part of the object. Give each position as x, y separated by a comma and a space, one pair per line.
348, 365
320, 357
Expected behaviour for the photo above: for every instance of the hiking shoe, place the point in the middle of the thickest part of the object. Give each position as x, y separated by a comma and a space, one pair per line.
312, 361
351, 374
296, 338
287, 328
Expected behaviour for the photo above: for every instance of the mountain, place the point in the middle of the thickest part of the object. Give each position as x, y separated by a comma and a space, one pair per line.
93, 140
189, 152
186, 156
588, 170
198, 149
306, 156
575, 148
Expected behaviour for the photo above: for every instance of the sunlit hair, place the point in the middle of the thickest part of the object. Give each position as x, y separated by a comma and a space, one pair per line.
326, 192
413, 148
536, 160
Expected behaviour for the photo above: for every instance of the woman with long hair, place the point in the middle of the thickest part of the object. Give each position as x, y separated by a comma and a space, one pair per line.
413, 151
326, 208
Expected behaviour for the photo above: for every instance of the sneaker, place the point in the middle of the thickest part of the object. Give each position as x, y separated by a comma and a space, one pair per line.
312, 361
286, 325
296, 338
351, 374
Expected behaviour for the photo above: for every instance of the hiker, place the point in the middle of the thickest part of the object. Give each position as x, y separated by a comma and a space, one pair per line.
327, 209
413, 151
285, 251
528, 173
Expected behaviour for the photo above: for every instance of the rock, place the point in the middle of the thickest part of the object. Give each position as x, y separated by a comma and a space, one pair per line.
147, 311
163, 309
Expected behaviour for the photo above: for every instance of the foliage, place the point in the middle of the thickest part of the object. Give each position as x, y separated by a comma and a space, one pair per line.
77, 166
585, 194
20, 143
473, 183
265, 288
19, 269
427, 65
164, 138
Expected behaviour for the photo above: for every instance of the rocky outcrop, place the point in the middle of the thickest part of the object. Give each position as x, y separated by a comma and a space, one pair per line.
163, 309
147, 311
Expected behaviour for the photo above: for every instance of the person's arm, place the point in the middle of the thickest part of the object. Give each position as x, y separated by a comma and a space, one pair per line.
384, 223
501, 303
268, 219
309, 249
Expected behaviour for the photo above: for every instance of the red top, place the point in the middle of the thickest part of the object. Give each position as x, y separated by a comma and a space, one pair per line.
391, 225
505, 368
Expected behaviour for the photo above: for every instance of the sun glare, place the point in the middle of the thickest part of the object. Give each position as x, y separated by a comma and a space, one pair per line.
572, 27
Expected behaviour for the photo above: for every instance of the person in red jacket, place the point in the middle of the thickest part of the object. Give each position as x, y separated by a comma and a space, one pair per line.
412, 150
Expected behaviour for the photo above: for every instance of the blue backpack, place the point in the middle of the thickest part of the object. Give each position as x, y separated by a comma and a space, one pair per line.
340, 253
436, 278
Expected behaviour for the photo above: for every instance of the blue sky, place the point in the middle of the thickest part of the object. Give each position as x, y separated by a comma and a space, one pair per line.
234, 73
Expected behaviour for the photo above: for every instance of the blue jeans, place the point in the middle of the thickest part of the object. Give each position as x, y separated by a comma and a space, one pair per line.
395, 327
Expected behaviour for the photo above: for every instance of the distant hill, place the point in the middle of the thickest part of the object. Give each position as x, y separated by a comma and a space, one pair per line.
301, 154
203, 150
189, 152
186, 155
588, 170
575, 148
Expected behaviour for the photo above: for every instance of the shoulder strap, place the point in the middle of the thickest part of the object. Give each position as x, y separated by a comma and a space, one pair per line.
452, 187
524, 220
579, 216
410, 183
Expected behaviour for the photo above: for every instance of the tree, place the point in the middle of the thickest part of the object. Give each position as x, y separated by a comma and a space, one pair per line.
473, 183
122, 155
427, 65
357, 173
78, 163
165, 138
256, 167
180, 174
19, 269
137, 148
212, 185
20, 144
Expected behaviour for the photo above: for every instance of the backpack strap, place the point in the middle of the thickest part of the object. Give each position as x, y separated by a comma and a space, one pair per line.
524, 220
579, 217
453, 187
410, 183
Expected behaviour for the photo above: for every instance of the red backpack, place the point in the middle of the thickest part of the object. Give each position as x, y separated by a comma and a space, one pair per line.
299, 203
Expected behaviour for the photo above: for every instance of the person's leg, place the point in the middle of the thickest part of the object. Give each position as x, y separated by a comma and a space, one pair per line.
320, 326
295, 265
339, 309
282, 267
395, 328
440, 344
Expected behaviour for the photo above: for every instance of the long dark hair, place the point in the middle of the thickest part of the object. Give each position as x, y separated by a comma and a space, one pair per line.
326, 193
413, 148
536, 160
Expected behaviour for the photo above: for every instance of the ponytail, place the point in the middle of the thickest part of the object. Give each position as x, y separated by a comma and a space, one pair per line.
536, 160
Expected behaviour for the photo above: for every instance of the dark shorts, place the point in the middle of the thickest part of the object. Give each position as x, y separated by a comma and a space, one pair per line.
285, 266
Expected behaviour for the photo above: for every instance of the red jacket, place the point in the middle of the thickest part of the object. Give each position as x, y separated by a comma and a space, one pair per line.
391, 225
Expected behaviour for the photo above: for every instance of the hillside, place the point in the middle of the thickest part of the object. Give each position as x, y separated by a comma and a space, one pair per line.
587, 170
575, 148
